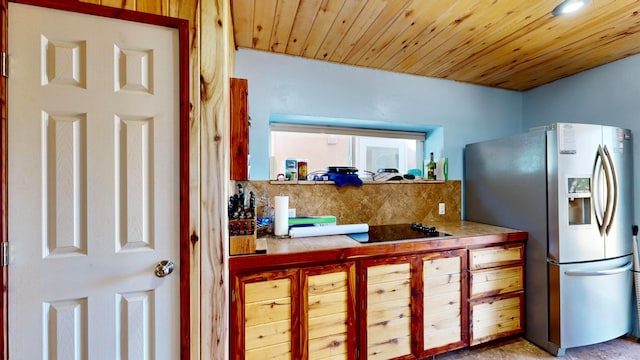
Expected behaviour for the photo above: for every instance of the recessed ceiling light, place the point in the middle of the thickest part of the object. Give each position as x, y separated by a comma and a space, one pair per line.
569, 6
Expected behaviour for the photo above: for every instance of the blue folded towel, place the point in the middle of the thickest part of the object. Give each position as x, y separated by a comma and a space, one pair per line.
345, 179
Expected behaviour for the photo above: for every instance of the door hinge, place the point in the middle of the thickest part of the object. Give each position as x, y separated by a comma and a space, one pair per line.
4, 253
5, 65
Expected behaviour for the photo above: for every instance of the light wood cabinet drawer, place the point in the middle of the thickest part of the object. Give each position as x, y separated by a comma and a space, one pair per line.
388, 310
442, 307
495, 256
327, 315
267, 312
492, 282
495, 317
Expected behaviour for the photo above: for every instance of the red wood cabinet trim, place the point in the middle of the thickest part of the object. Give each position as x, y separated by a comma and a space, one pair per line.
239, 130
4, 314
270, 261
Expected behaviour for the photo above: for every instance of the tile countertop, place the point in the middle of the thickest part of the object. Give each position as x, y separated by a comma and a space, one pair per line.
460, 229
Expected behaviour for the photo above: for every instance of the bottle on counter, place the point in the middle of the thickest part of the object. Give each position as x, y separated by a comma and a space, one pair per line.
431, 168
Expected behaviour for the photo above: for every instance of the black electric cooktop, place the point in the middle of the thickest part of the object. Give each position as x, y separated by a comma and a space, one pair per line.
381, 233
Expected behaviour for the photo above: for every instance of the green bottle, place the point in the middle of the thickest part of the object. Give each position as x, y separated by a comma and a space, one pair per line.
431, 168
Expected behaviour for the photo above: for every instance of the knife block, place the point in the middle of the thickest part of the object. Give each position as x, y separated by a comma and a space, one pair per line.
243, 240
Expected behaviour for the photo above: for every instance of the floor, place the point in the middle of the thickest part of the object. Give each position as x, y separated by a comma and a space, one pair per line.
516, 348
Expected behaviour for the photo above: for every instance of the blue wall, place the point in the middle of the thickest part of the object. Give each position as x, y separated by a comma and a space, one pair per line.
463, 113
608, 95
281, 84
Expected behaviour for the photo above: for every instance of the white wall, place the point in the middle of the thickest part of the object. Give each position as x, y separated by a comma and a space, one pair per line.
281, 84
608, 95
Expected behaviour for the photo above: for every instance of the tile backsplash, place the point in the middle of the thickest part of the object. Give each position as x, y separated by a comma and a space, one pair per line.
371, 203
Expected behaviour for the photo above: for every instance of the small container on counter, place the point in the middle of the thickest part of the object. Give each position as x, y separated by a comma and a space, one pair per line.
291, 169
302, 169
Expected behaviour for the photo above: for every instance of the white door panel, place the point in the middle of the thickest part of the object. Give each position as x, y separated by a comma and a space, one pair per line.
93, 187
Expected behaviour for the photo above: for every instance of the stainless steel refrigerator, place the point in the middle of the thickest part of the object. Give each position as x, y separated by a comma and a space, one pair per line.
571, 187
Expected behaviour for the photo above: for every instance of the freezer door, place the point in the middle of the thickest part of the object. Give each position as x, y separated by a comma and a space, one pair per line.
618, 150
589, 302
575, 196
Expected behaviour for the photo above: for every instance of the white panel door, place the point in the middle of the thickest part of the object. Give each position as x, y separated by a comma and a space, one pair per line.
93, 187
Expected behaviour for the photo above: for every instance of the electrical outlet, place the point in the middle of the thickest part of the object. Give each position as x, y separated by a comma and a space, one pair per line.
441, 208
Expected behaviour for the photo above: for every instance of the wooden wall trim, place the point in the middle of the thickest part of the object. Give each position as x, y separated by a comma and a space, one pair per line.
185, 200
4, 187
194, 182
215, 24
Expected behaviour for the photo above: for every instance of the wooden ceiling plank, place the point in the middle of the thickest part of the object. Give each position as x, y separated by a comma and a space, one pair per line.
473, 33
575, 40
574, 58
476, 63
434, 19
263, 18
573, 64
544, 65
242, 16
327, 15
304, 20
511, 44
404, 28
381, 24
540, 40
283, 23
504, 30
347, 16
455, 22
368, 15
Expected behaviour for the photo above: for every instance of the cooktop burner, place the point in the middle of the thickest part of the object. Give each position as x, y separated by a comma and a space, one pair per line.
380, 233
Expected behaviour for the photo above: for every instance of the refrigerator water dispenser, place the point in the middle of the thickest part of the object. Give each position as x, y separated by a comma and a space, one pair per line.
579, 201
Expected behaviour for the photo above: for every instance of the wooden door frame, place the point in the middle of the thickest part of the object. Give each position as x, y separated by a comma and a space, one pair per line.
183, 30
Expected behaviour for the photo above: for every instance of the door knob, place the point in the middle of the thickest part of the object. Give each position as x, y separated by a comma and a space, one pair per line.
164, 268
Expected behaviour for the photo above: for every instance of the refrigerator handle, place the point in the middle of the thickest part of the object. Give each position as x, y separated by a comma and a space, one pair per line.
612, 196
619, 270
598, 167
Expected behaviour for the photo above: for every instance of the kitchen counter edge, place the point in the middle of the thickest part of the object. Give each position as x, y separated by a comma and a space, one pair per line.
287, 252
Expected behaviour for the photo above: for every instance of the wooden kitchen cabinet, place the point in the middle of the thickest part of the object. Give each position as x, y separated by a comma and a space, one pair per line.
496, 292
386, 308
444, 303
410, 300
239, 130
302, 313
415, 306
328, 316
264, 320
